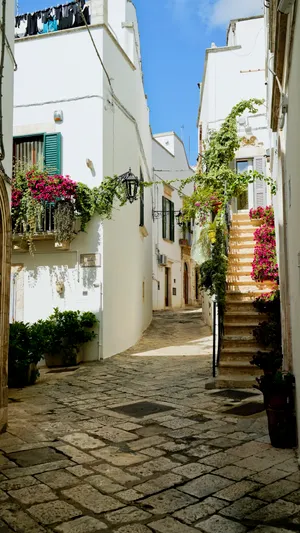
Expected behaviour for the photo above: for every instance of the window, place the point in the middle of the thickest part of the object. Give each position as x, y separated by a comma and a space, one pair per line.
168, 222
142, 200
42, 151
243, 166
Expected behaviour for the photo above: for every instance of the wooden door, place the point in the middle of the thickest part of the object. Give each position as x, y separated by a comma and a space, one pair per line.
167, 281
186, 284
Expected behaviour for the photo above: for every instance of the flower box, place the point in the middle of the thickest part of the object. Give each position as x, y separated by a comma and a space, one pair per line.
183, 242
59, 359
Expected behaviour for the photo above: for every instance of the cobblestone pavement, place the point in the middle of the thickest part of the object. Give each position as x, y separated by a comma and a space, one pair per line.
80, 458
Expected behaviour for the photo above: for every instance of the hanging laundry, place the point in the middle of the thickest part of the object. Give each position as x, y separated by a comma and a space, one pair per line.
62, 17
40, 25
32, 27
20, 26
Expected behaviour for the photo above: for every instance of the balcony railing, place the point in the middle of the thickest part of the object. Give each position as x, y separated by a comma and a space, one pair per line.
44, 224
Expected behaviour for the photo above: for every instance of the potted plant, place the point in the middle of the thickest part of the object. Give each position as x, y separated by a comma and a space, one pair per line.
23, 356
256, 216
276, 385
65, 333
183, 242
278, 391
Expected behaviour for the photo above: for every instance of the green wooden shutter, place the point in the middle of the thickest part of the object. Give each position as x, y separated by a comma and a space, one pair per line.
52, 153
164, 218
172, 222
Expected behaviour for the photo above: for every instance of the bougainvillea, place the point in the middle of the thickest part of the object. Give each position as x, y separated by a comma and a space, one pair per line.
257, 213
52, 203
264, 213
264, 266
209, 203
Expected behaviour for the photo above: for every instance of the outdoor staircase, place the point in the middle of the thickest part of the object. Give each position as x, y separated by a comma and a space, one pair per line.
238, 343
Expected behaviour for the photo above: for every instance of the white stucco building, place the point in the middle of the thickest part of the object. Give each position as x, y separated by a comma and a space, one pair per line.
105, 124
175, 279
233, 73
283, 78
6, 95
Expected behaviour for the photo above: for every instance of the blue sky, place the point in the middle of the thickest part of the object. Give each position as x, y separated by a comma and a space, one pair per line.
174, 36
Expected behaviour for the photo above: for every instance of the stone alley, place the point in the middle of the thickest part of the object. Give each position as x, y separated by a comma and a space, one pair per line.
137, 445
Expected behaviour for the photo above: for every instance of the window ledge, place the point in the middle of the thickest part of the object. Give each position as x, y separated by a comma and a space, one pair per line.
143, 231
168, 240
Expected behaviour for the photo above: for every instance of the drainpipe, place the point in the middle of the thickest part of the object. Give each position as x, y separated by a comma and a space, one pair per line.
100, 333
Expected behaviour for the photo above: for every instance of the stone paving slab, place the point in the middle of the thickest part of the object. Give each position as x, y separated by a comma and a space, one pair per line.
71, 464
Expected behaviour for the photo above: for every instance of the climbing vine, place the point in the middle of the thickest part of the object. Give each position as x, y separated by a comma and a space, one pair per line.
216, 177
216, 184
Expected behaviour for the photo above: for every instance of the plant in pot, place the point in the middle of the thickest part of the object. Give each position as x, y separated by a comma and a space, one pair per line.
65, 333
276, 385
23, 356
279, 391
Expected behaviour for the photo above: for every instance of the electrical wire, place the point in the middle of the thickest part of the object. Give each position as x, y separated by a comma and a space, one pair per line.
2, 58
249, 54
10, 50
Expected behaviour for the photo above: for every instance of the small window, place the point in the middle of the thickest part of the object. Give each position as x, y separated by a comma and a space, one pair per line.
142, 200
42, 151
168, 221
241, 166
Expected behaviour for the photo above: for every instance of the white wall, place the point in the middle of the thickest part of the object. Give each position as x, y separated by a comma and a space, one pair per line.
233, 74
7, 107
94, 127
290, 161
169, 155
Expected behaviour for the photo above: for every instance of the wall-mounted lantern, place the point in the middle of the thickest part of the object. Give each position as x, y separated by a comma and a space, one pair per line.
131, 184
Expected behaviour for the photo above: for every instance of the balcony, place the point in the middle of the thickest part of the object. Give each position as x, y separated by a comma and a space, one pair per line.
45, 229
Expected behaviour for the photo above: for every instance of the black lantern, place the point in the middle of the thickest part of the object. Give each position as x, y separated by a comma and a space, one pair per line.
131, 184
179, 218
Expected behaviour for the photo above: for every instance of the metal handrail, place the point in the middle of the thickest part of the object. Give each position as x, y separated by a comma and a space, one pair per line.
218, 311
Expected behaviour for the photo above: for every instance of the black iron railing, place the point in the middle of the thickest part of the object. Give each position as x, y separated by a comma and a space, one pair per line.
44, 222
218, 308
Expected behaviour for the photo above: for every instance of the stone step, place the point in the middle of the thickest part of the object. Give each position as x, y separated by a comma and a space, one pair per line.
236, 241
233, 269
246, 296
239, 306
240, 216
242, 317
239, 277
237, 233
241, 353
244, 224
242, 249
240, 328
237, 261
247, 286
236, 341
238, 367
239, 254
239, 381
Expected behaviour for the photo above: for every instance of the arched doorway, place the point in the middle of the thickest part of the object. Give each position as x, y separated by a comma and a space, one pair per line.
186, 284
5, 261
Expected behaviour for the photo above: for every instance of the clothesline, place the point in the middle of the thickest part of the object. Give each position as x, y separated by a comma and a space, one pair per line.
47, 8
